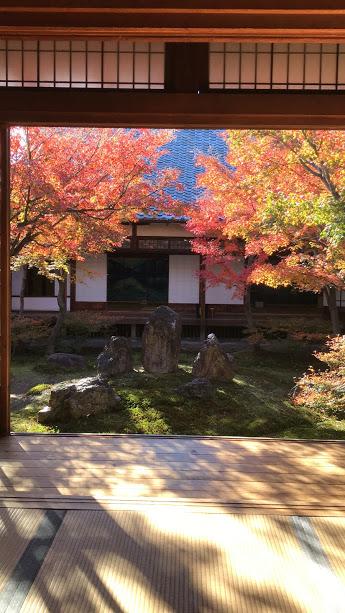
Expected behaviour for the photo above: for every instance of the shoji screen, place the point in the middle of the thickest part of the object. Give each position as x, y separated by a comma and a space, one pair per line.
269, 66
81, 63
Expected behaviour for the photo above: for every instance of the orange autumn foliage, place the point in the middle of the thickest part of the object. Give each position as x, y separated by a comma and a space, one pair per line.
324, 390
71, 189
277, 206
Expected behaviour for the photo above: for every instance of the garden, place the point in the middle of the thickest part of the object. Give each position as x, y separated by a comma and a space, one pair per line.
268, 211
269, 394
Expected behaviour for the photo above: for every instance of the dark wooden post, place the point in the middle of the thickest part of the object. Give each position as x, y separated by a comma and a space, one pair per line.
134, 237
186, 67
5, 282
202, 301
72, 280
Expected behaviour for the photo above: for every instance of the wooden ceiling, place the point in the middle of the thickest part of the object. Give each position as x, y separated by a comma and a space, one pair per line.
177, 20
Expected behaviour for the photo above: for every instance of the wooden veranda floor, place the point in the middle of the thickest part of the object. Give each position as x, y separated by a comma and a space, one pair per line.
142, 524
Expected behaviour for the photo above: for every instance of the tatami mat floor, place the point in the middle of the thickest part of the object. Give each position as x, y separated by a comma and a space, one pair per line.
186, 525
167, 560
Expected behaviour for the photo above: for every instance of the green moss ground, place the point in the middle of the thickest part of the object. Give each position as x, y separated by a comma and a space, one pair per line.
256, 403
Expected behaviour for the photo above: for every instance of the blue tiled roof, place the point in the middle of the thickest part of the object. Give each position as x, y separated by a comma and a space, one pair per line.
161, 216
181, 154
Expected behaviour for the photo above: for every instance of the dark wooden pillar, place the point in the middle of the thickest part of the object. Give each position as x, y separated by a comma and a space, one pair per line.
186, 67
202, 301
72, 280
134, 237
5, 282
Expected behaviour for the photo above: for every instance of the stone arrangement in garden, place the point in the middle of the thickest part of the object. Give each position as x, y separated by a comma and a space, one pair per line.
74, 399
161, 345
212, 362
161, 341
115, 359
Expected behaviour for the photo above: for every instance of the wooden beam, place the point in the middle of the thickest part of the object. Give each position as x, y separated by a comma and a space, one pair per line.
5, 284
158, 109
177, 20
173, 6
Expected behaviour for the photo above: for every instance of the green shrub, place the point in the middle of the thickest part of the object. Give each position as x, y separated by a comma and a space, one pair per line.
305, 329
324, 390
32, 331
89, 323
29, 330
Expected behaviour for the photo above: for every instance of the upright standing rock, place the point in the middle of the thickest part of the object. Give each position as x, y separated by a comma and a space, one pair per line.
161, 341
212, 362
115, 359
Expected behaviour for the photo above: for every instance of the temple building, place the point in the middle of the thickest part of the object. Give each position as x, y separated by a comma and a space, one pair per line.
156, 265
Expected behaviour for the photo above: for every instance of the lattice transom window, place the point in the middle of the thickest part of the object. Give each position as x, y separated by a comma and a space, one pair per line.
153, 243
82, 63
174, 244
298, 66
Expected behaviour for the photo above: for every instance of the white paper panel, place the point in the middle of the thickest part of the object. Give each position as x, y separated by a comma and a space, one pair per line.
183, 279
220, 294
109, 64
91, 279
277, 66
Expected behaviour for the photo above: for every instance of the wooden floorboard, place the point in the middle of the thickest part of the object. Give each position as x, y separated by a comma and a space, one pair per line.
165, 525
247, 475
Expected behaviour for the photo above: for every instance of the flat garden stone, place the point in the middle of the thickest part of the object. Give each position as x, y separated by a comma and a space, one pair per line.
198, 388
74, 399
161, 341
212, 362
116, 358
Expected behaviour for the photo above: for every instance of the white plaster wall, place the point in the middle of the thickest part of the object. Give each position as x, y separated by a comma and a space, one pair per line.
39, 303
340, 298
163, 229
91, 279
183, 279
17, 276
68, 287
221, 294
15, 304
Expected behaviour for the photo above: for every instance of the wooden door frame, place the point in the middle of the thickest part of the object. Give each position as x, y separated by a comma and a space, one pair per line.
134, 110
5, 283
177, 21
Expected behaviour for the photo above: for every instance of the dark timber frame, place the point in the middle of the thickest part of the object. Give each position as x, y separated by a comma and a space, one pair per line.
5, 283
178, 20
181, 105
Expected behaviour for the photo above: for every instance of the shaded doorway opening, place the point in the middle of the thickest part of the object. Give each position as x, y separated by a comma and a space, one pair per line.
138, 279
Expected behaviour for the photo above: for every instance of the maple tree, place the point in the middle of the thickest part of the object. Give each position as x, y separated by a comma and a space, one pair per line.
277, 206
324, 390
72, 188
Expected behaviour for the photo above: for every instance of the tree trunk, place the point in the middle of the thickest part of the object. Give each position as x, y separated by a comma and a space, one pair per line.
22, 291
331, 296
61, 299
248, 310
